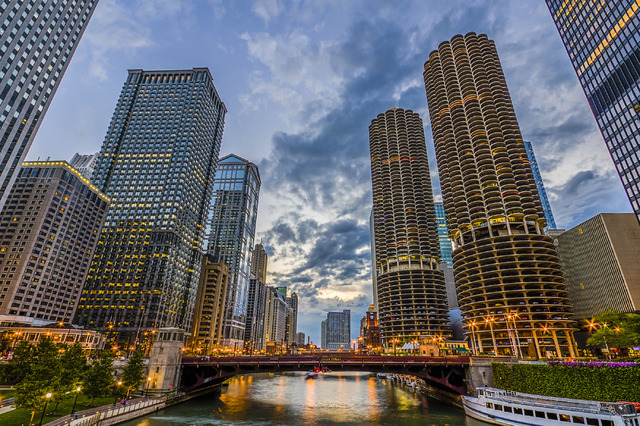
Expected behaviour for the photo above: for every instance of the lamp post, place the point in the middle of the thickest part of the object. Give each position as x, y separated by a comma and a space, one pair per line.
148, 384
46, 401
73, 409
115, 398
473, 337
489, 320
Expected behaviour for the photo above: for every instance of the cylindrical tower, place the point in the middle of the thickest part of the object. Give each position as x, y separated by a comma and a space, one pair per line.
508, 279
411, 291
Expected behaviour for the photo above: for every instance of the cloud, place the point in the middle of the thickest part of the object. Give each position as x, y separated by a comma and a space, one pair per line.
267, 9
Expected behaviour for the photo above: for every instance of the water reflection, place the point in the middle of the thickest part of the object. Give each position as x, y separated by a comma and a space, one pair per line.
292, 399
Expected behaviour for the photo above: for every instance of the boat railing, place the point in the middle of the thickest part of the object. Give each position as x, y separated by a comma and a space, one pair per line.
567, 404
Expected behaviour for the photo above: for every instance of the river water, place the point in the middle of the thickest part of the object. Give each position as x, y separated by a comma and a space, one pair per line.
292, 399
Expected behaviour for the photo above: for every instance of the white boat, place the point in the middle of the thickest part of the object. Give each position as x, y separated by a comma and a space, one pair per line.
502, 407
382, 375
312, 374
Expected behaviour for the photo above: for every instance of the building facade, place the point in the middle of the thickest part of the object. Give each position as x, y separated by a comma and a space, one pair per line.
275, 318
603, 42
231, 231
84, 164
600, 258
411, 289
301, 339
446, 250
259, 260
336, 331
292, 318
208, 313
37, 40
49, 229
546, 207
509, 283
157, 164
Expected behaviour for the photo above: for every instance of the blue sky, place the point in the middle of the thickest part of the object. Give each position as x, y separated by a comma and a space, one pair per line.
302, 81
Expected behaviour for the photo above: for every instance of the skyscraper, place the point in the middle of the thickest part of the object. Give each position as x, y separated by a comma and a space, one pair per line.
546, 207
602, 40
230, 235
600, 261
509, 283
411, 290
49, 229
335, 333
259, 260
37, 40
256, 300
84, 164
443, 235
157, 164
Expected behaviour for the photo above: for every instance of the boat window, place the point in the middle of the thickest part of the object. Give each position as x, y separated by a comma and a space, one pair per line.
517, 410
565, 418
528, 413
507, 409
592, 422
552, 416
489, 405
578, 419
606, 422
498, 407
540, 414
480, 392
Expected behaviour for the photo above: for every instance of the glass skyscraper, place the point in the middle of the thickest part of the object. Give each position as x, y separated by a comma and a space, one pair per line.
37, 40
443, 235
603, 41
230, 235
157, 164
551, 223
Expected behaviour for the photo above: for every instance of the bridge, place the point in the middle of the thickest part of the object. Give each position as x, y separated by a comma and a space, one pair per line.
445, 372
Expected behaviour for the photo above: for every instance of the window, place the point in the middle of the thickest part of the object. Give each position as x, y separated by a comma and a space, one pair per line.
517, 410
552, 416
565, 418
592, 422
528, 413
606, 422
498, 407
578, 420
507, 409
540, 414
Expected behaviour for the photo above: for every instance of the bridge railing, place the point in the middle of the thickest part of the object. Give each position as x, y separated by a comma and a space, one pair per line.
327, 358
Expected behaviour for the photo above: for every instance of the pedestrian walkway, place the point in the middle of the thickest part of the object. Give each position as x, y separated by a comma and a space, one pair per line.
6, 405
80, 416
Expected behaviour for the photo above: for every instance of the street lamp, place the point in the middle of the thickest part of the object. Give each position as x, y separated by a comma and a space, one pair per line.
46, 401
115, 397
148, 384
73, 409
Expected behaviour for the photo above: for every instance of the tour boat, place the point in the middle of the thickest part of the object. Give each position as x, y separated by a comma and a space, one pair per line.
502, 407
312, 374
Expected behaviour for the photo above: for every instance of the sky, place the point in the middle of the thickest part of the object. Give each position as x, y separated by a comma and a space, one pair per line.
302, 80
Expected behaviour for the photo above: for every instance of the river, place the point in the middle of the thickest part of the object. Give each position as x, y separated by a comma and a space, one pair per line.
292, 399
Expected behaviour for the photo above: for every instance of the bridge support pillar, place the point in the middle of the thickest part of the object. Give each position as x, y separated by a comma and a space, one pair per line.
478, 374
164, 362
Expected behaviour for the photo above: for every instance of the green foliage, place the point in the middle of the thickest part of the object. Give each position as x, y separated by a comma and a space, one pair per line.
72, 367
133, 372
99, 378
42, 374
20, 365
616, 329
30, 394
593, 383
5, 342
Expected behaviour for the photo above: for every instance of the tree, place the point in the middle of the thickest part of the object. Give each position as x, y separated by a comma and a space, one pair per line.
99, 377
615, 329
133, 372
30, 394
73, 363
21, 364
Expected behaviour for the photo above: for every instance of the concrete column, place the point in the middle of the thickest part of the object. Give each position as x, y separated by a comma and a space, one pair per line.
555, 342
536, 343
572, 352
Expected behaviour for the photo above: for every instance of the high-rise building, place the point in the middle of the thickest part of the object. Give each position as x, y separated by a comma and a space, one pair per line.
37, 40
84, 164
374, 277
300, 339
157, 165
230, 235
208, 313
600, 260
292, 318
546, 207
443, 234
336, 331
259, 260
509, 283
602, 40
49, 229
256, 300
275, 317
411, 290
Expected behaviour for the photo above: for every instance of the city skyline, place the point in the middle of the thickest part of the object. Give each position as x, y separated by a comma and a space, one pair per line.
300, 98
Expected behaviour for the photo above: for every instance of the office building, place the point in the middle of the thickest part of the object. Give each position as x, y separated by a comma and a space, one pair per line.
84, 164
37, 40
371, 330
546, 207
336, 331
292, 318
600, 258
157, 165
603, 42
374, 278
49, 229
509, 283
411, 289
443, 235
256, 300
230, 235
208, 313
301, 339
275, 318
